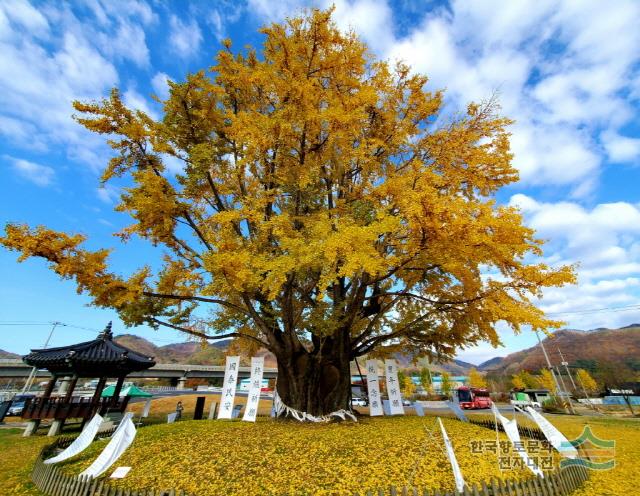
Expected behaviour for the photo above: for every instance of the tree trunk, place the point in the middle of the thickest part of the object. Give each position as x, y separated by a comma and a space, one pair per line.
313, 383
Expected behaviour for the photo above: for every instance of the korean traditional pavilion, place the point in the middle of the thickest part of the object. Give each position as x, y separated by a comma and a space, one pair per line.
101, 358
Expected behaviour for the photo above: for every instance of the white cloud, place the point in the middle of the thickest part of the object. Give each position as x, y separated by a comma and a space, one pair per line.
108, 193
128, 42
160, 86
270, 11
136, 101
23, 13
603, 240
185, 36
560, 68
40, 175
174, 165
215, 21
369, 18
52, 55
621, 148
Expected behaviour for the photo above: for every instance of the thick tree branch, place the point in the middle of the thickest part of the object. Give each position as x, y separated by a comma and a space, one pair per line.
203, 335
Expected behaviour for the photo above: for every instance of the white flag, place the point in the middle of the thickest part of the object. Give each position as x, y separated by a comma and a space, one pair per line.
255, 385
120, 441
393, 387
229, 387
457, 474
553, 435
373, 387
455, 407
81, 442
511, 430
147, 407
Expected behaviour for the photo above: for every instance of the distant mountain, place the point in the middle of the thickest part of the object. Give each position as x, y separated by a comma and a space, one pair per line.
7, 354
453, 367
492, 363
190, 352
578, 347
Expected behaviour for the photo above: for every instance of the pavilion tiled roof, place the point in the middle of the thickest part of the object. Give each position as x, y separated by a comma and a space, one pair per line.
101, 357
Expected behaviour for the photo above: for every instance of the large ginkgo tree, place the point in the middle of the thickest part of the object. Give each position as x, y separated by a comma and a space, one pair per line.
326, 209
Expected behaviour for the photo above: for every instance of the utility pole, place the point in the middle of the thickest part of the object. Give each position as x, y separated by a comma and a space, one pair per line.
555, 379
566, 367
34, 371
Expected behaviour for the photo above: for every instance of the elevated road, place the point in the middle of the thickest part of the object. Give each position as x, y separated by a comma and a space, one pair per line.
16, 368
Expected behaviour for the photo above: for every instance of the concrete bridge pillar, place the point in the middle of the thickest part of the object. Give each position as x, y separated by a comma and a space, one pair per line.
181, 383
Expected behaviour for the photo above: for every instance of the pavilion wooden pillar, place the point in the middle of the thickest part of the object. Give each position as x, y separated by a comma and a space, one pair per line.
49, 389
71, 387
116, 392
33, 424
58, 423
96, 396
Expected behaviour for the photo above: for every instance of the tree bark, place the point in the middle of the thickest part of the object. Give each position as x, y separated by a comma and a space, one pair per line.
317, 382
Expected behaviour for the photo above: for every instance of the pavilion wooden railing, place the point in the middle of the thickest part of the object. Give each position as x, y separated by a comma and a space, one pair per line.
59, 408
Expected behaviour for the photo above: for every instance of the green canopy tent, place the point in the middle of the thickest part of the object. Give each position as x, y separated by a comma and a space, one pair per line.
131, 391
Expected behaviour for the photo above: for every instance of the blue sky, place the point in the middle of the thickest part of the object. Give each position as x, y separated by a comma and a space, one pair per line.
567, 72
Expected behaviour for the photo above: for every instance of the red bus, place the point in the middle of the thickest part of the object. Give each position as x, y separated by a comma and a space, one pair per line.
473, 398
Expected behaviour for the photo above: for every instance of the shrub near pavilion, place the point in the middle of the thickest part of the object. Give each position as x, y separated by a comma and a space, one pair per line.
326, 209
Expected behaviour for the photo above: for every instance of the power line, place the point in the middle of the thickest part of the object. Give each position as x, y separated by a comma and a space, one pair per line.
32, 323
598, 310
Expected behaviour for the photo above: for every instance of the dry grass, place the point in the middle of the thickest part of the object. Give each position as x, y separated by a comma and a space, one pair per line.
161, 407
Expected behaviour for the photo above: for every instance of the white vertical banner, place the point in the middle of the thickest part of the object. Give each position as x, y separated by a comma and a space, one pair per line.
229, 387
393, 387
553, 435
457, 474
511, 430
373, 387
120, 441
147, 407
255, 385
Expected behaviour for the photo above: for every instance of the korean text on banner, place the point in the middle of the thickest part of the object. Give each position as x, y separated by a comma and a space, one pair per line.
229, 387
255, 385
373, 387
393, 387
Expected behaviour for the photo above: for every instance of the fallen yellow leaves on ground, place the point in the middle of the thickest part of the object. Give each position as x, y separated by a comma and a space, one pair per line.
625, 477
286, 457
269, 457
17, 455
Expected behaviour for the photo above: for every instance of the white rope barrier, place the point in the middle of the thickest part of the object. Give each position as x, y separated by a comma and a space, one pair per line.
282, 409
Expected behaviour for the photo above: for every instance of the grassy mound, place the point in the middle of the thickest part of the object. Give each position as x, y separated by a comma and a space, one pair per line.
286, 457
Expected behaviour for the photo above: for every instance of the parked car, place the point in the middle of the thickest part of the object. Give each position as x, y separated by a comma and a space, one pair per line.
358, 402
17, 404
